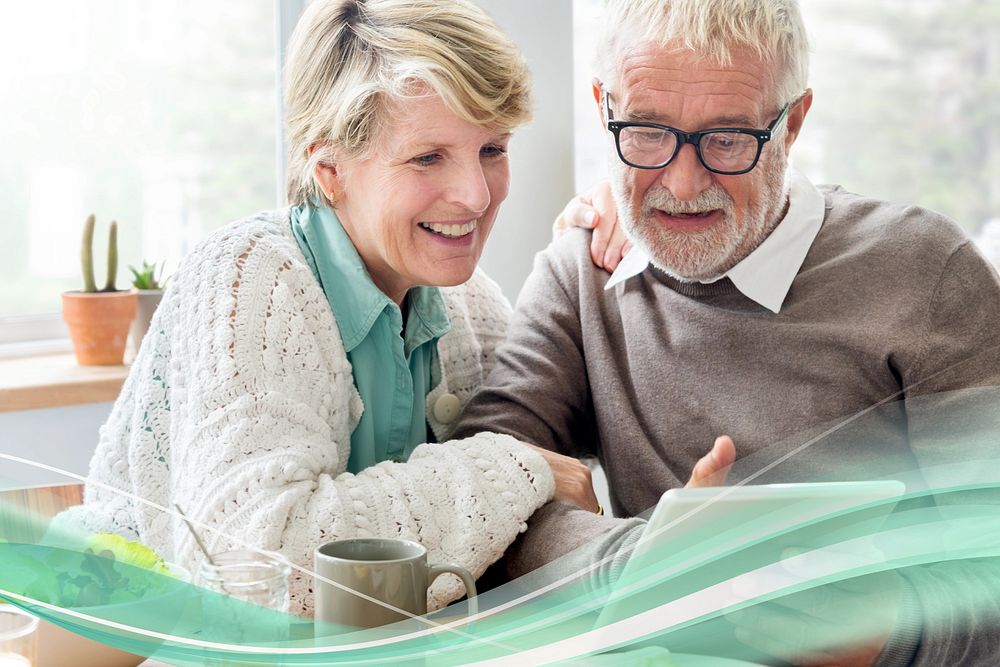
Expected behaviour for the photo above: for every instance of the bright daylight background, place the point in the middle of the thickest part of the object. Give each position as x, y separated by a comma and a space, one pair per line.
157, 114
162, 116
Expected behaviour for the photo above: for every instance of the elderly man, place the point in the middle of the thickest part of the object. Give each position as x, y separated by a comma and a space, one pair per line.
826, 332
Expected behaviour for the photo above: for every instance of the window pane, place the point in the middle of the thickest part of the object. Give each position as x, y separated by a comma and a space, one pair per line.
159, 115
906, 103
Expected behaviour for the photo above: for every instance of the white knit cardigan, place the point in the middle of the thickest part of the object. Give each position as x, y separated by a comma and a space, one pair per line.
240, 407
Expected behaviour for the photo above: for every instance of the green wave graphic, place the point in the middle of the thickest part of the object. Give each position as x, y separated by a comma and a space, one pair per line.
728, 589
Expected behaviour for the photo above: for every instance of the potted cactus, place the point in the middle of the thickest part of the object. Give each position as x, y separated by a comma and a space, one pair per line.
99, 320
149, 289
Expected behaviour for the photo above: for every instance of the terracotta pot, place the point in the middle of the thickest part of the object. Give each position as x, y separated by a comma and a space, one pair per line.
149, 299
98, 324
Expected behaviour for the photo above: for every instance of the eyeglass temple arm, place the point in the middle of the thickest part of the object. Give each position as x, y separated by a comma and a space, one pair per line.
781, 116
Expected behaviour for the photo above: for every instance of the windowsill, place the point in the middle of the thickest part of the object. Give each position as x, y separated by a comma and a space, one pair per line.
55, 380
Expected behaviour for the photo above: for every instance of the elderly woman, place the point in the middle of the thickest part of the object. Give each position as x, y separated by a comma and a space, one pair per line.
300, 358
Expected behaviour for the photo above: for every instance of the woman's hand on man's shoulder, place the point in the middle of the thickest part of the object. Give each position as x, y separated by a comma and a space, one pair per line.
596, 210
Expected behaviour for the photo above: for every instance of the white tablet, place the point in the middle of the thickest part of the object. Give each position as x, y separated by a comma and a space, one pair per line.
692, 527
708, 521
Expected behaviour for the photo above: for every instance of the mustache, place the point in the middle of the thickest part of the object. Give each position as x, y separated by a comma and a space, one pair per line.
713, 198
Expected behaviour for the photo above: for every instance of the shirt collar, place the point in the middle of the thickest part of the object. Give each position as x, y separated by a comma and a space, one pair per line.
427, 318
355, 300
766, 274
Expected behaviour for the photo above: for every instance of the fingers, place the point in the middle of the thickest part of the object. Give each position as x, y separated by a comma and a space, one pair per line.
600, 241
574, 483
584, 497
608, 239
577, 486
713, 468
724, 452
615, 250
597, 211
578, 212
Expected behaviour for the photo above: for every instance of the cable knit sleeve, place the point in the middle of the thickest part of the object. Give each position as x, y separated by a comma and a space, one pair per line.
240, 408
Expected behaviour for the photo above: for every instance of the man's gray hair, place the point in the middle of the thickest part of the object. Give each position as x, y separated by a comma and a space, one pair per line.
712, 28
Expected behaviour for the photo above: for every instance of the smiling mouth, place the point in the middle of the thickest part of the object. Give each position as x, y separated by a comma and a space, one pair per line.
692, 216
450, 231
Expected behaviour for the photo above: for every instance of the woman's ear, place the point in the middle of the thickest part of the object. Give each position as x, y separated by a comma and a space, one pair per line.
328, 178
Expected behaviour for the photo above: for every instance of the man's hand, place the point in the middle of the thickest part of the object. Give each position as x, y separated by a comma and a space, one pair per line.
596, 210
844, 624
573, 482
712, 468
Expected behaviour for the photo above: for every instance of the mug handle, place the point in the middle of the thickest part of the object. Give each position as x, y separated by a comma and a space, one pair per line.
435, 571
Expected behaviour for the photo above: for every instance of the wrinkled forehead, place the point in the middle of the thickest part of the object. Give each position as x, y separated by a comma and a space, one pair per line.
658, 82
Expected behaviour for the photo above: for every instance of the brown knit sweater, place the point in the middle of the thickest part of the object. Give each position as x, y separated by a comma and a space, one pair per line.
882, 348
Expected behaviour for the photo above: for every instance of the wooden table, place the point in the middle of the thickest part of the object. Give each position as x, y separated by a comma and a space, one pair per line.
42, 501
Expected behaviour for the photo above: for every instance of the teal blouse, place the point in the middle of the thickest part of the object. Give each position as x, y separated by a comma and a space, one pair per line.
392, 367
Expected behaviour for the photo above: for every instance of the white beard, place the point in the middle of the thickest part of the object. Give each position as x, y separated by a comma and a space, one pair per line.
706, 254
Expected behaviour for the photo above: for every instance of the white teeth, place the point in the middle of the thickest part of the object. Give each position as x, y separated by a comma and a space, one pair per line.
453, 231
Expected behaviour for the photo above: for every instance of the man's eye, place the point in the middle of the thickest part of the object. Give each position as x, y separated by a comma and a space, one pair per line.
647, 137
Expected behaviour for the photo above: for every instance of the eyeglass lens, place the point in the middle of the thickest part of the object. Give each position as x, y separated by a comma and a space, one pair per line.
725, 151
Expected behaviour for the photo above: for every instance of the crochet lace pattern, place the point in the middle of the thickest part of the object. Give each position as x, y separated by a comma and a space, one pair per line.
240, 406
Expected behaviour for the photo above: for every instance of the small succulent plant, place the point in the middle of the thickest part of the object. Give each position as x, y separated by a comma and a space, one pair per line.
87, 256
145, 278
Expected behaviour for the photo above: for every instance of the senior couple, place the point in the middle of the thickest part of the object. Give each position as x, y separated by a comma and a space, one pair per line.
339, 368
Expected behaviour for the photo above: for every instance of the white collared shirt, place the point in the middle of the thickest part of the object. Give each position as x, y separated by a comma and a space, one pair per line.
766, 274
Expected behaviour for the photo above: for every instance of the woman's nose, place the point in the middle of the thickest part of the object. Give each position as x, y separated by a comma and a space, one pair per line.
469, 188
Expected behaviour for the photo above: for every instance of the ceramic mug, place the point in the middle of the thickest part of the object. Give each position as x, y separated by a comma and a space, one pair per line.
392, 571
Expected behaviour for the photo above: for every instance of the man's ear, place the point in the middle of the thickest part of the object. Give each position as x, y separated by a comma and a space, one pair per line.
598, 90
328, 178
796, 117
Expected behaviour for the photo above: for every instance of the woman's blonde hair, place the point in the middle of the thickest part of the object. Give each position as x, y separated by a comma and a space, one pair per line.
349, 61
773, 29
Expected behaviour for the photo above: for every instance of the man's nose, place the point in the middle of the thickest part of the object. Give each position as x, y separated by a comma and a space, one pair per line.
686, 177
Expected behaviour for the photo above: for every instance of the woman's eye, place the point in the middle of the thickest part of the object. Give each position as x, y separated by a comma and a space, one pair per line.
493, 150
426, 160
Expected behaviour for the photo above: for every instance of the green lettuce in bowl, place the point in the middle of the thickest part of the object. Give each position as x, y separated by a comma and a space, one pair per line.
109, 569
101, 580
102, 576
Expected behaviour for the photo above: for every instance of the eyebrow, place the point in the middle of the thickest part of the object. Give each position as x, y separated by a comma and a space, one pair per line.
421, 145
719, 121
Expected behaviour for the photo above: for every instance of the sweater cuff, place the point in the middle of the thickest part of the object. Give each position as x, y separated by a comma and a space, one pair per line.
534, 464
531, 467
905, 638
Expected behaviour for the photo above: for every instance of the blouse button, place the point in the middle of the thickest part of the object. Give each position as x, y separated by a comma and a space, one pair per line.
446, 408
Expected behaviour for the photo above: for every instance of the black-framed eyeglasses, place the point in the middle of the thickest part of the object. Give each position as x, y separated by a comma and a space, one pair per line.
723, 150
